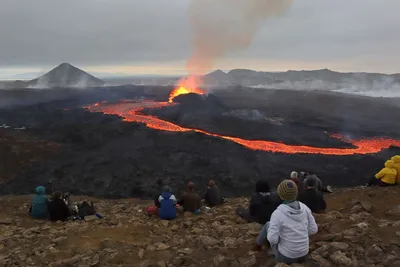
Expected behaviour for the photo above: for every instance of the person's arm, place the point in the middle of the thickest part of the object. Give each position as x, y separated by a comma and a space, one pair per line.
312, 225
380, 174
253, 205
173, 199
322, 202
274, 228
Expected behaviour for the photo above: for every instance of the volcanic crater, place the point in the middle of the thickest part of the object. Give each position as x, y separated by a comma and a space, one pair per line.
114, 142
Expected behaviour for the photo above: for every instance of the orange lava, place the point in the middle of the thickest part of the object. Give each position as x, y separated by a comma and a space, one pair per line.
187, 85
130, 111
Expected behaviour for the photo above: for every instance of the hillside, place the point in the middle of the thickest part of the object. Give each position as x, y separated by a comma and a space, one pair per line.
360, 229
64, 75
306, 80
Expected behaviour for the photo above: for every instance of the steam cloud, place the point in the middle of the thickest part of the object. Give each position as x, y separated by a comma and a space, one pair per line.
223, 26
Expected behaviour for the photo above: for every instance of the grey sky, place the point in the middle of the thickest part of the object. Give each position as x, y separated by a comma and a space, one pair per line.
347, 35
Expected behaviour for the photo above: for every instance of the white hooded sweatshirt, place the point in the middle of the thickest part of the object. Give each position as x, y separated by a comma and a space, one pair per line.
290, 227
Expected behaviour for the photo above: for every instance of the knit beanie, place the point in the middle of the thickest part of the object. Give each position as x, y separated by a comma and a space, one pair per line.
287, 190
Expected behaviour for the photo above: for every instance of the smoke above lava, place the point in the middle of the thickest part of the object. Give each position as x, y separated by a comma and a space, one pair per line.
220, 27
223, 26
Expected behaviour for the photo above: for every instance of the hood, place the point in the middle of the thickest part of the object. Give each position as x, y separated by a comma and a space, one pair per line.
396, 159
294, 211
166, 195
40, 190
389, 164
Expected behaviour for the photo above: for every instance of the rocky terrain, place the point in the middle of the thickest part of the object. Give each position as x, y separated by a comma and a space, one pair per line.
360, 228
90, 153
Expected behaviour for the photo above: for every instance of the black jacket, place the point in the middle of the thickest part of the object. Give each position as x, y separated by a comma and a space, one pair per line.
262, 205
313, 199
212, 196
58, 210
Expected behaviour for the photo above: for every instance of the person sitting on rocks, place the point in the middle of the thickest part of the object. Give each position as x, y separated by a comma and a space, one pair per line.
290, 226
386, 176
311, 197
396, 160
212, 195
190, 200
294, 176
39, 208
262, 204
58, 209
319, 185
167, 202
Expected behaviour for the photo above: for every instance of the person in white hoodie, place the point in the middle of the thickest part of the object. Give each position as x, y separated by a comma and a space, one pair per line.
290, 226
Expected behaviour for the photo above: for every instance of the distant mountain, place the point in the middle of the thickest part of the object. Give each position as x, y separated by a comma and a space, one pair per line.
64, 75
375, 84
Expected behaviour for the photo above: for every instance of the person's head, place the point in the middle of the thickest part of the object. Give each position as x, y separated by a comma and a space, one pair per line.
40, 190
311, 182
294, 175
262, 186
211, 183
167, 189
190, 186
396, 159
287, 190
389, 164
57, 195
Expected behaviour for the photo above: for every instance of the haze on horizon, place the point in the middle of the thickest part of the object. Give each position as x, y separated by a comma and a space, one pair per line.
132, 37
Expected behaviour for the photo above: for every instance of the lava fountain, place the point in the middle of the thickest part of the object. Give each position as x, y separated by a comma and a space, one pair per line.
186, 85
131, 112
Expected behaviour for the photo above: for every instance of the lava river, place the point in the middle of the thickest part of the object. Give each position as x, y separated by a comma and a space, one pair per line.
130, 111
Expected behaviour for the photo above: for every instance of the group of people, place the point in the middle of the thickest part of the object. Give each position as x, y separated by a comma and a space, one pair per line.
389, 175
167, 204
286, 215
53, 208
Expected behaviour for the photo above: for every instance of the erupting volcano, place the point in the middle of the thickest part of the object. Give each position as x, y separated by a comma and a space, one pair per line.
131, 112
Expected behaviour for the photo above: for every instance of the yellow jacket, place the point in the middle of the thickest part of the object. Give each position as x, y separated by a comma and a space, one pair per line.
396, 160
387, 174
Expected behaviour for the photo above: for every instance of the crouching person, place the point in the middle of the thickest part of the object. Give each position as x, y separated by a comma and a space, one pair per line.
290, 226
167, 200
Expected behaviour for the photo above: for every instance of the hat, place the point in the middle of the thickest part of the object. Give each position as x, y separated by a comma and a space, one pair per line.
287, 190
294, 175
262, 186
311, 181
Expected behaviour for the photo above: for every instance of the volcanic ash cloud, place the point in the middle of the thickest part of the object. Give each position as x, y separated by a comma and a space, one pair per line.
222, 26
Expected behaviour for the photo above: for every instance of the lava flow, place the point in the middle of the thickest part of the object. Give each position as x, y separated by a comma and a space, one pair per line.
130, 111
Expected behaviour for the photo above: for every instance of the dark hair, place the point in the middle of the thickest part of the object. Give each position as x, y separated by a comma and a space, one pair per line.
262, 186
311, 181
190, 186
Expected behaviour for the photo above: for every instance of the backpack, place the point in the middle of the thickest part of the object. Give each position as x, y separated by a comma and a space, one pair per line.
151, 210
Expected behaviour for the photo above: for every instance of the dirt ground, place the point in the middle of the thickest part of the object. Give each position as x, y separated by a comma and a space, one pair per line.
357, 220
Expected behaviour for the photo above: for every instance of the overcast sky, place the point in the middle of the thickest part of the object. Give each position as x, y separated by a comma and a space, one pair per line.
153, 36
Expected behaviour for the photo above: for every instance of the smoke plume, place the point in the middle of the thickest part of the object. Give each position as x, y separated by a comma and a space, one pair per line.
223, 26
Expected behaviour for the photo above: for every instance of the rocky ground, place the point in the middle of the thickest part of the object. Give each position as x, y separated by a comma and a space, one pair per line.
361, 228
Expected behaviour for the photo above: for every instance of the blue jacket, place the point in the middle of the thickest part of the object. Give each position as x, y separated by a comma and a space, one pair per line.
167, 209
39, 204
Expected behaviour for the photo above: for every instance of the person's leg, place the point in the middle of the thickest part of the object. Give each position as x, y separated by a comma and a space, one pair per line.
281, 258
244, 213
262, 236
373, 181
